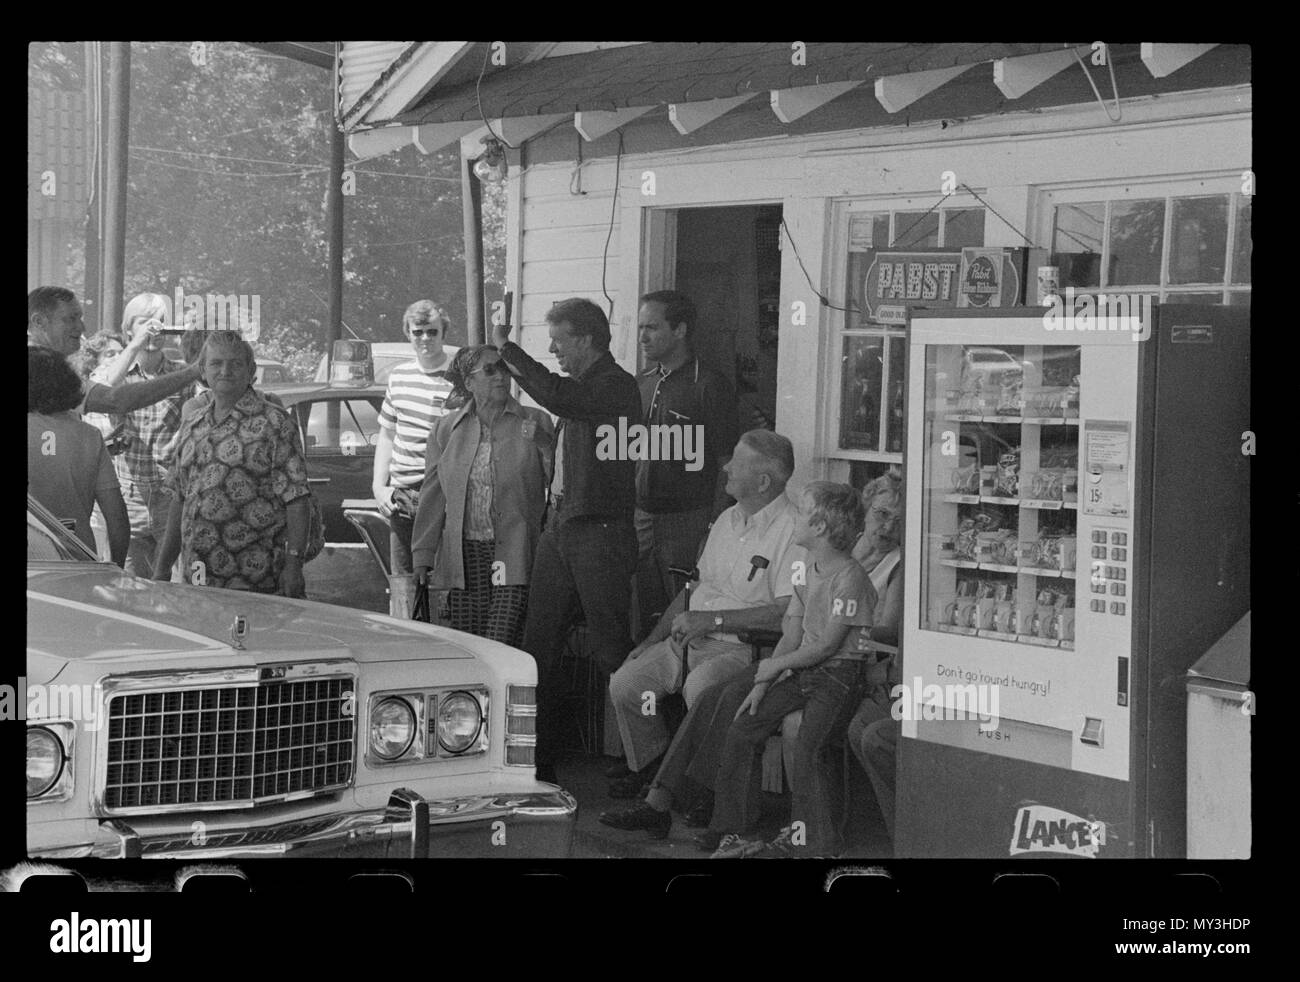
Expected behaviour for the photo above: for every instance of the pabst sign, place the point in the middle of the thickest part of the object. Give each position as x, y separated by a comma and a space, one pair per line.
897, 281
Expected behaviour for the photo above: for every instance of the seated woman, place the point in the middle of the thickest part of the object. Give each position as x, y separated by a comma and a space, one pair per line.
68, 467
481, 504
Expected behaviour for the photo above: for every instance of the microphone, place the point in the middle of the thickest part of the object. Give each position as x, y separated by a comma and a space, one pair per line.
755, 564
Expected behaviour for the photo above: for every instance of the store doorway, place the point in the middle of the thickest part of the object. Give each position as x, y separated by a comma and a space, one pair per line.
728, 260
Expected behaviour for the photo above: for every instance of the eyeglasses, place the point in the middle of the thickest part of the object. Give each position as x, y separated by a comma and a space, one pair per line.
425, 332
490, 368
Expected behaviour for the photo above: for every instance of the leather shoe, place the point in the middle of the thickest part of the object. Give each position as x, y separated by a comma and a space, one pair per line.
635, 782
627, 787
640, 816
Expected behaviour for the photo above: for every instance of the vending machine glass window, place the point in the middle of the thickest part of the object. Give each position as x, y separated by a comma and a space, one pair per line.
1001, 492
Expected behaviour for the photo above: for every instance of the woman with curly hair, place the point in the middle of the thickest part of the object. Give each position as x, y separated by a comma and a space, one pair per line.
68, 467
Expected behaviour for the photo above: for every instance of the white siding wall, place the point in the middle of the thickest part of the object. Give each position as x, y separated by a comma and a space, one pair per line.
560, 247
557, 241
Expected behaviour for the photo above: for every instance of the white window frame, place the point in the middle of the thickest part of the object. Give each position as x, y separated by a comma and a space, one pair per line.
838, 460
1197, 187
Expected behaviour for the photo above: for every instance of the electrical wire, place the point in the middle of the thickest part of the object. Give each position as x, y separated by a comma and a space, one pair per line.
478, 97
1110, 63
613, 211
817, 293
305, 172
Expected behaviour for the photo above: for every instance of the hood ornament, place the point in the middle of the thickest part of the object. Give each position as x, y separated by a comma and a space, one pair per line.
238, 631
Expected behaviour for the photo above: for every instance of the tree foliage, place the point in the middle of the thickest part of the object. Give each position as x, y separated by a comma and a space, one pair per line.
228, 166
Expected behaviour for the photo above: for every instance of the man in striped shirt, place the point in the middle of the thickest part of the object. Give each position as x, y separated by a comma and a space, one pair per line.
416, 397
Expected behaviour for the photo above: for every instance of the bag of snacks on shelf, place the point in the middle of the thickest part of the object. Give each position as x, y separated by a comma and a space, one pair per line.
965, 480
1007, 482
1010, 395
1049, 552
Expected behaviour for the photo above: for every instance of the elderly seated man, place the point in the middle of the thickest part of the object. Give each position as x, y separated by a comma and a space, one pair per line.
744, 585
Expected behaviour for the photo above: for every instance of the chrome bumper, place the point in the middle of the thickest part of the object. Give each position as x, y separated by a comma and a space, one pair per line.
527, 824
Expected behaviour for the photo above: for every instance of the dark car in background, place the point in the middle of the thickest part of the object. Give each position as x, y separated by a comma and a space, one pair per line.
340, 428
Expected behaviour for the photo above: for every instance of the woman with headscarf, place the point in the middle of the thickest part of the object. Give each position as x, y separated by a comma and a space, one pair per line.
481, 503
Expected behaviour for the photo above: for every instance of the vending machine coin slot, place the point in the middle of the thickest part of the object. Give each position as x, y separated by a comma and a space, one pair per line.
1121, 687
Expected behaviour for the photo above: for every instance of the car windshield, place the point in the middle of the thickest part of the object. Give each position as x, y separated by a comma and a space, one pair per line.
49, 542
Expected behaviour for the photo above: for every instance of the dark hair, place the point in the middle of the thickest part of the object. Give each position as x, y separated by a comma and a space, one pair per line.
46, 299
586, 320
462, 364
678, 308
53, 385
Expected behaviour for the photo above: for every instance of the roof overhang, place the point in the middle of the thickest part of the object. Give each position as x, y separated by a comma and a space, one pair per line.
783, 88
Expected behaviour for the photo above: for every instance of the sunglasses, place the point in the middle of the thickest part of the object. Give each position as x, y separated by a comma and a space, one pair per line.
490, 369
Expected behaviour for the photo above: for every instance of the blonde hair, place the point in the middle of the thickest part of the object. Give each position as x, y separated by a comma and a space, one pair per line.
144, 306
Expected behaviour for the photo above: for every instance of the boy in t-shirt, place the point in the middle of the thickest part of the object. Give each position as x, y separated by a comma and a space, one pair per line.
815, 668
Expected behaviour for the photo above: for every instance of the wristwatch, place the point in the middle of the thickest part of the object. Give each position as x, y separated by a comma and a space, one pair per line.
295, 553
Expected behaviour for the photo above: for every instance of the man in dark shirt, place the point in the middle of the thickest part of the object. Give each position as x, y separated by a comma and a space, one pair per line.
586, 555
689, 407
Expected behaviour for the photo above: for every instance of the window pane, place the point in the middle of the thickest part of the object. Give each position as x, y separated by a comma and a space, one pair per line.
1137, 234
1239, 298
1076, 243
1241, 248
1199, 248
963, 227
868, 232
861, 370
911, 231
894, 424
1194, 298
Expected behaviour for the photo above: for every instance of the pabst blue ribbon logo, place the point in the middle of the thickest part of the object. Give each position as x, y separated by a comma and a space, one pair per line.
1040, 829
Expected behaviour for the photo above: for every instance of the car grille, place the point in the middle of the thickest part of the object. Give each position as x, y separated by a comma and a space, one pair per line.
229, 745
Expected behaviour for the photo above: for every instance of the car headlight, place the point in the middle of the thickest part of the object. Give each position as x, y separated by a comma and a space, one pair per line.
45, 760
459, 720
392, 728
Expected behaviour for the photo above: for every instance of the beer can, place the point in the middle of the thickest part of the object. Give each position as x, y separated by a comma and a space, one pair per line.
1049, 284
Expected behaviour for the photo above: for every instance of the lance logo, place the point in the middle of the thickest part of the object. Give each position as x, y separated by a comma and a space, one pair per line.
1040, 829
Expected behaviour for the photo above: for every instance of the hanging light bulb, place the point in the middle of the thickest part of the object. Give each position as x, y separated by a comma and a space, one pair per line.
491, 167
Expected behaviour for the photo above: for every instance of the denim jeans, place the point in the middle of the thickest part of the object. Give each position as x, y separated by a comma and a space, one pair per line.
581, 565
147, 505
828, 694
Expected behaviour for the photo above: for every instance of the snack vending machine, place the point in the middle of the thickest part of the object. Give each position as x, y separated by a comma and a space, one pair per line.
1078, 534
